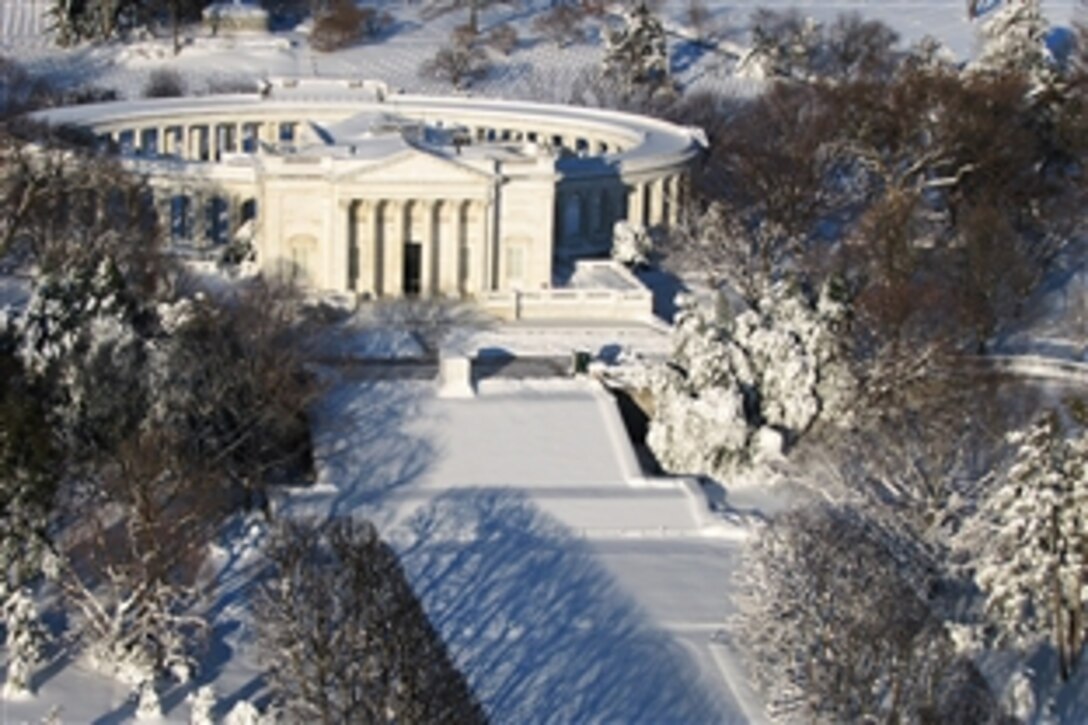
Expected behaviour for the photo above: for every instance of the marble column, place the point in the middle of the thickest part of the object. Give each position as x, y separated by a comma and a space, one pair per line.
657, 202
393, 223
672, 205
449, 247
367, 249
429, 258
636, 205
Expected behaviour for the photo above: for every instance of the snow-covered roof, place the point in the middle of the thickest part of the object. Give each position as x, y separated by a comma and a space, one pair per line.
347, 109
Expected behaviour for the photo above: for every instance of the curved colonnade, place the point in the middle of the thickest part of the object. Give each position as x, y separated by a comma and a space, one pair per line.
357, 190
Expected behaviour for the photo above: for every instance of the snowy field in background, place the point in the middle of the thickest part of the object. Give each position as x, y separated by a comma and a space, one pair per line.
537, 69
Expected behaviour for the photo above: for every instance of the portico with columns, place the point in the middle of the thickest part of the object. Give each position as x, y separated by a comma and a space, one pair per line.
353, 189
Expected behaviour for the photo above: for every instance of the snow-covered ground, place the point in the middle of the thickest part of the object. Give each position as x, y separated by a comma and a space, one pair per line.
567, 588
536, 69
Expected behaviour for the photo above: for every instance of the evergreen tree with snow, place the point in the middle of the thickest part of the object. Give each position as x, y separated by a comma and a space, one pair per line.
29, 471
83, 337
636, 55
25, 641
1029, 541
1014, 39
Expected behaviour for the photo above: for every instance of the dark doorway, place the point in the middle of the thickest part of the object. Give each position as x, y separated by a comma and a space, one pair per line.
413, 268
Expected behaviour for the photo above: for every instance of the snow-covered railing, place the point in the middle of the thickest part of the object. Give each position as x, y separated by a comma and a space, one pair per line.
565, 304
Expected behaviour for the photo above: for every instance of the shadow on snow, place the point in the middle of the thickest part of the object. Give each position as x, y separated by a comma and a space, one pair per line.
539, 628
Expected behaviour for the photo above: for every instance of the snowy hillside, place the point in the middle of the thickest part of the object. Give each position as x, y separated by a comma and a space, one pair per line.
536, 69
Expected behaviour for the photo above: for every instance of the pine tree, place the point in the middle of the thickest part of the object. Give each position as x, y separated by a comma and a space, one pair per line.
636, 56
1030, 539
25, 640
1014, 39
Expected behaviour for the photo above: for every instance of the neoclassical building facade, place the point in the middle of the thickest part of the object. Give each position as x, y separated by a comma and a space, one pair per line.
355, 189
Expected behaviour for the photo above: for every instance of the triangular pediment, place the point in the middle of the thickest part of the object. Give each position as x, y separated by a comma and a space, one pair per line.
416, 166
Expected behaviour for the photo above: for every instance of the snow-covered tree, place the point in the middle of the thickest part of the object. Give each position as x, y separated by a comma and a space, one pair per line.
25, 640
244, 712
1029, 541
1014, 38
790, 46
835, 628
148, 706
29, 471
631, 245
636, 55
435, 8
784, 45
346, 639
133, 560
733, 392
930, 55
79, 334
201, 706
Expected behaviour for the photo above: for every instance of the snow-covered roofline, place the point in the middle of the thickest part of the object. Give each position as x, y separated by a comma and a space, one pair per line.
629, 143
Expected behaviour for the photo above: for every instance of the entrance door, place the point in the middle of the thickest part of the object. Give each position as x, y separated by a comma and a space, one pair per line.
413, 268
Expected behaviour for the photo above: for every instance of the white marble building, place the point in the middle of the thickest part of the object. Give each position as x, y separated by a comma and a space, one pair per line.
361, 191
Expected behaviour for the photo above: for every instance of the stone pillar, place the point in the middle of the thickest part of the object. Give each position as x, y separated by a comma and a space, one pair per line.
367, 252
429, 259
469, 253
480, 234
449, 247
673, 205
635, 205
657, 203
393, 223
